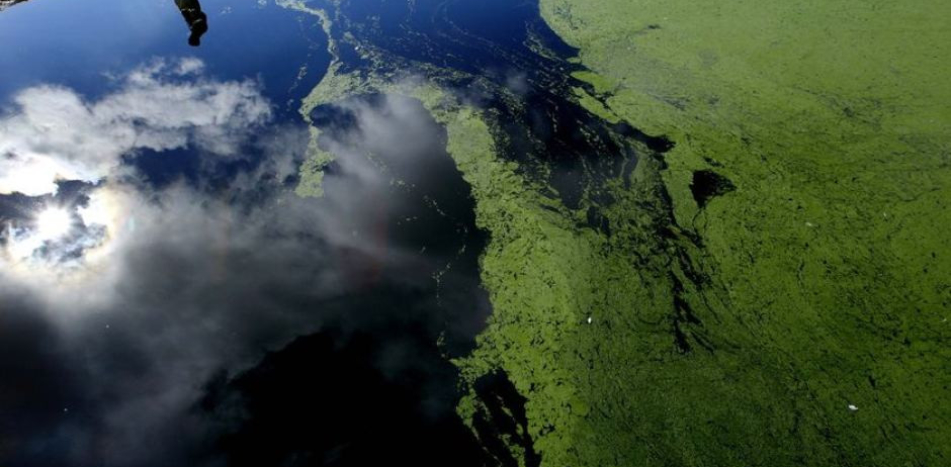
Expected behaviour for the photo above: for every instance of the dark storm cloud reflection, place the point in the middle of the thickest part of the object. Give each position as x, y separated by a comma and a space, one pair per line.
153, 357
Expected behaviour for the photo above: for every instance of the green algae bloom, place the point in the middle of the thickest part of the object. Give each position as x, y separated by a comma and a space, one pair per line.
774, 290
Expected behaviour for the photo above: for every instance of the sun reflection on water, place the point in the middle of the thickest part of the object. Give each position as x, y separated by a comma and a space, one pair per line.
53, 223
63, 243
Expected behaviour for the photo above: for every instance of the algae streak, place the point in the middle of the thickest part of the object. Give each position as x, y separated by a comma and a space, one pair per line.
826, 267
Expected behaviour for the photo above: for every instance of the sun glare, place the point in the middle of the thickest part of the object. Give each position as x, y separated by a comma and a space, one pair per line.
53, 223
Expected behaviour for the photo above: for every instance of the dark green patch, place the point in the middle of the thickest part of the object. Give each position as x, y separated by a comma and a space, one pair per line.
708, 184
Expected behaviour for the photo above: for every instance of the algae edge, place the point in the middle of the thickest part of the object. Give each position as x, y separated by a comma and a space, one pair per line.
615, 391
558, 277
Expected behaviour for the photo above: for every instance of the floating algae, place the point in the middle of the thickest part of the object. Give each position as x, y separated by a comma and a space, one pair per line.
779, 263
823, 257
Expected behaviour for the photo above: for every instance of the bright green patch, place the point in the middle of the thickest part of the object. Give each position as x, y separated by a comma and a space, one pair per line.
828, 272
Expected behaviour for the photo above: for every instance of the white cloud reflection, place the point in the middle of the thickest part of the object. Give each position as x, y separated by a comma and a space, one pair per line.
173, 283
52, 133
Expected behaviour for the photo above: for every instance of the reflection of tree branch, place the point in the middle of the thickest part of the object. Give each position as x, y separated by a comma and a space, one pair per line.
197, 20
4, 4
191, 10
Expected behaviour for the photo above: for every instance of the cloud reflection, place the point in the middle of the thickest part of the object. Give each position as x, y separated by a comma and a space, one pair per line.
156, 289
52, 133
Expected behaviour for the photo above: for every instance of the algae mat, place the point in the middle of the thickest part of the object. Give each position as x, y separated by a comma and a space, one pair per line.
825, 129
715, 229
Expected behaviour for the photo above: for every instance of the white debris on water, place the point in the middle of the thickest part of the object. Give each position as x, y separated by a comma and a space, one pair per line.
590, 320
853, 408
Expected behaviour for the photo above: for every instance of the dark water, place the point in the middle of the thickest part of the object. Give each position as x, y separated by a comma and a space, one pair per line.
373, 385
492, 43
